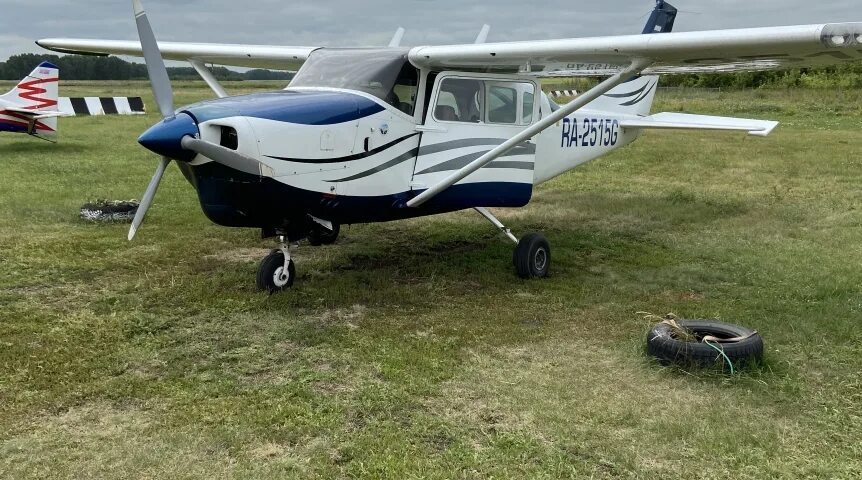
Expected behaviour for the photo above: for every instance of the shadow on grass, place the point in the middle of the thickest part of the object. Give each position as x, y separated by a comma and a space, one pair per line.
37, 146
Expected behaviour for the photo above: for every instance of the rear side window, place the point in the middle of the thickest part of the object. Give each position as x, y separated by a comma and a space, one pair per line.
527, 110
502, 105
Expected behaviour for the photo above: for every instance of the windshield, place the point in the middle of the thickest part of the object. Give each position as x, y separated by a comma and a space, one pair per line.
386, 74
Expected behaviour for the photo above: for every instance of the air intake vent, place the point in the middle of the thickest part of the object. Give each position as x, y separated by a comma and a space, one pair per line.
229, 138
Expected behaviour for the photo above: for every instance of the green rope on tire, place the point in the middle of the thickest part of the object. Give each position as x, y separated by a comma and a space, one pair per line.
721, 351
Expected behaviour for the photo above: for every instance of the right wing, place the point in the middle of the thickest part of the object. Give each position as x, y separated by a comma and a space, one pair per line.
684, 121
689, 52
251, 56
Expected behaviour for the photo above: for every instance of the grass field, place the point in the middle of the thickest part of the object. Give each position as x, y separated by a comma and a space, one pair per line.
411, 350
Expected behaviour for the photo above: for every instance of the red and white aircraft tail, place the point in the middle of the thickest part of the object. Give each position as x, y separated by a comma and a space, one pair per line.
32, 106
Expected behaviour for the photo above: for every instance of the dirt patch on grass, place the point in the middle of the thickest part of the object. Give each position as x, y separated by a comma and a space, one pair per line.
240, 255
101, 440
349, 317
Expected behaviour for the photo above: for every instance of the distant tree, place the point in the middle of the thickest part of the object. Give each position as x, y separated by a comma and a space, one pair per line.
83, 67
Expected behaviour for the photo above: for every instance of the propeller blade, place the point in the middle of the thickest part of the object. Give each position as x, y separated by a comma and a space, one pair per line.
227, 157
159, 80
148, 197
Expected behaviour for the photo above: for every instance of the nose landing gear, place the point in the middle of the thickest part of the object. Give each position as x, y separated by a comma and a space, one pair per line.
277, 270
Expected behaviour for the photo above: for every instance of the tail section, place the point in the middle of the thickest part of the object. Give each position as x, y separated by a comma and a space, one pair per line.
32, 105
636, 96
662, 18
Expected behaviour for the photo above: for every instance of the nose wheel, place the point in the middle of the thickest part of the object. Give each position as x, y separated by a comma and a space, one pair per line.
277, 270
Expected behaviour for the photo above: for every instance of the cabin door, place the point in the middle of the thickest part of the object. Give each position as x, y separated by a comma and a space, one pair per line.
466, 118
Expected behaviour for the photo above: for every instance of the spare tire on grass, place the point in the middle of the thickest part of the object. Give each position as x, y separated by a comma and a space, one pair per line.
704, 343
109, 211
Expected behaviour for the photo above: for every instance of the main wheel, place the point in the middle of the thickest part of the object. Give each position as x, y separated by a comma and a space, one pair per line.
532, 257
320, 235
271, 276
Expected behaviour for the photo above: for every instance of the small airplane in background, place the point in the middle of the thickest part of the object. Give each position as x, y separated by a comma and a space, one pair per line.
382, 134
33, 106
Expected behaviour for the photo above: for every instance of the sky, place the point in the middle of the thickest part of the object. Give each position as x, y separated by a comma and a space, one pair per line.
373, 22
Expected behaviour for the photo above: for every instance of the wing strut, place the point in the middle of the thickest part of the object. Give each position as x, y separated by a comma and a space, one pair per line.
208, 77
636, 67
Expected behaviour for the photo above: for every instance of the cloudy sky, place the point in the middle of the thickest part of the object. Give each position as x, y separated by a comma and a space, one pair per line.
372, 22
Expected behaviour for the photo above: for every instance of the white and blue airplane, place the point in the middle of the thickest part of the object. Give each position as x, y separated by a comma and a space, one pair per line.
32, 106
380, 134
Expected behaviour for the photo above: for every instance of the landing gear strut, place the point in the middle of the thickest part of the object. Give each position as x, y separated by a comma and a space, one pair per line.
277, 270
321, 235
532, 256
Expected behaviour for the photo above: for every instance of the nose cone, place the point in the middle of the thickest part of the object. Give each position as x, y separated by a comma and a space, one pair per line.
165, 137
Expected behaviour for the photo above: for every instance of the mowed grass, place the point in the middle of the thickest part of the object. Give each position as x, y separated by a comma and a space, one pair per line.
410, 349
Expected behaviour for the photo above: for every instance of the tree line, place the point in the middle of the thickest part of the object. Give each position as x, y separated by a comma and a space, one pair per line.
845, 76
848, 75
80, 67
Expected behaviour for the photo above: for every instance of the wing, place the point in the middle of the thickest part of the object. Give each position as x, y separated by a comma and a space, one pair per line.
684, 121
251, 56
688, 52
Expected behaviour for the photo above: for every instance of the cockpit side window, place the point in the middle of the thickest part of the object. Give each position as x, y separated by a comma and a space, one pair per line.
405, 90
460, 100
488, 101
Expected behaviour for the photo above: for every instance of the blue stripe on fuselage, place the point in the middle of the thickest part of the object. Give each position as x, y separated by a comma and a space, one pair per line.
303, 108
236, 199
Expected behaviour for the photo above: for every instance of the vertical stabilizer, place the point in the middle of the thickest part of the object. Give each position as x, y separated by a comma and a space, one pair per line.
662, 18
37, 93
637, 95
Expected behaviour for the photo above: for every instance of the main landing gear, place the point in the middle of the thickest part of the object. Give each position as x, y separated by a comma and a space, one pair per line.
321, 235
532, 256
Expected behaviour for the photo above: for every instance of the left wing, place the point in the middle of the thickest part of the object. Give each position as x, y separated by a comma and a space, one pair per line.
251, 56
688, 52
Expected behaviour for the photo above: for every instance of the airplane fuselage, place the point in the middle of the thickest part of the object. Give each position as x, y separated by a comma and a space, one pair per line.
349, 157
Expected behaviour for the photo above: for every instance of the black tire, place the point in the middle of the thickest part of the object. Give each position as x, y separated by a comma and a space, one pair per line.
532, 257
663, 344
320, 235
269, 274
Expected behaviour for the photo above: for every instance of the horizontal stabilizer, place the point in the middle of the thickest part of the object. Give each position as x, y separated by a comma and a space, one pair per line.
684, 121
35, 114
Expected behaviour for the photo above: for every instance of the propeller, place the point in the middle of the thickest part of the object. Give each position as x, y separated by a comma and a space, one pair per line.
173, 137
164, 95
